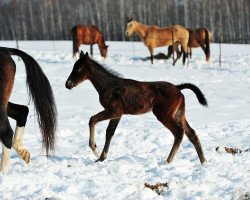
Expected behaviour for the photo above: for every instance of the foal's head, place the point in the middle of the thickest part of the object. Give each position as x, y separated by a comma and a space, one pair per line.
131, 25
79, 72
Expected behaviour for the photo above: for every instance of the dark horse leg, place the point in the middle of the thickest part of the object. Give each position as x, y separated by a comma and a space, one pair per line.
177, 125
151, 50
109, 134
101, 116
6, 137
19, 113
91, 50
174, 125
193, 138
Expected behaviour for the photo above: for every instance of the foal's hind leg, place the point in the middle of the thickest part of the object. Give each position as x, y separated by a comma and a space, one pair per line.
174, 126
19, 113
109, 134
190, 133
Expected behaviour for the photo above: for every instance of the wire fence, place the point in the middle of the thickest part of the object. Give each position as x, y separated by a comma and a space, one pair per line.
227, 41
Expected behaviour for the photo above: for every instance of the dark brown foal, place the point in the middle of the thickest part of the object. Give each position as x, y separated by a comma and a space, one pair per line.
120, 96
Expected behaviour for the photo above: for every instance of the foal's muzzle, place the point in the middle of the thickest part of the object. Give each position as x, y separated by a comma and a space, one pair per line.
69, 84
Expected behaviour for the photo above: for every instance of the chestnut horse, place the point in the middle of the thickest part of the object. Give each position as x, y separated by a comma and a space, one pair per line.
121, 96
154, 36
90, 35
200, 37
41, 93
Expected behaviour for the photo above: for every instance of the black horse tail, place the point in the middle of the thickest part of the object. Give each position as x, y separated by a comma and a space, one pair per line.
200, 96
41, 93
74, 38
207, 42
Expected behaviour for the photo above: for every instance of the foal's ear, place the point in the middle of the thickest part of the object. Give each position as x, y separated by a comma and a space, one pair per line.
81, 54
86, 55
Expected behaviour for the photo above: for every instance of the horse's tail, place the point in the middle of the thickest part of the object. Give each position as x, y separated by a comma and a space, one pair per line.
40, 91
207, 42
200, 96
74, 38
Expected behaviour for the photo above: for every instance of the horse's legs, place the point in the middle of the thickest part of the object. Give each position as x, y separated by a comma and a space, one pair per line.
101, 116
109, 134
193, 138
174, 126
19, 113
151, 50
91, 50
190, 52
185, 56
202, 45
7, 134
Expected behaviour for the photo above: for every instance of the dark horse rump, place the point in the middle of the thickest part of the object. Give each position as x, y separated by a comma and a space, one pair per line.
120, 96
40, 92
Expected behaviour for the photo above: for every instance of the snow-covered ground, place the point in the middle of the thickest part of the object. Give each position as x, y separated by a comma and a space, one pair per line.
141, 144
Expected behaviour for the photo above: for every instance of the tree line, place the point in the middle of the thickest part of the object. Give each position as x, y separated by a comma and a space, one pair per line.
228, 20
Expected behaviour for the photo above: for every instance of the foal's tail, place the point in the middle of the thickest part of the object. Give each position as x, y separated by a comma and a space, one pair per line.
74, 38
207, 42
200, 96
41, 92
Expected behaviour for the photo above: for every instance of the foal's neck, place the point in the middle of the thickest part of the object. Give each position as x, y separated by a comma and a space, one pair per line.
100, 77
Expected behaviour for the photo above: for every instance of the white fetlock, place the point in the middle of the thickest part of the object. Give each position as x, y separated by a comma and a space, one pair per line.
5, 161
18, 144
97, 153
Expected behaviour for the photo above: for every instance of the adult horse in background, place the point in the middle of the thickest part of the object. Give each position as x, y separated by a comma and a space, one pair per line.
90, 35
40, 92
154, 36
200, 37
121, 96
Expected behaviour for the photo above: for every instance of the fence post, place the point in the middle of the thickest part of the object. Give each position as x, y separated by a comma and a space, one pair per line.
17, 44
220, 54
173, 49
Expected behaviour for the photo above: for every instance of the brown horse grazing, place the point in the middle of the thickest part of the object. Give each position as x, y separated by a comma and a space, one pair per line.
90, 35
41, 93
200, 37
121, 96
154, 36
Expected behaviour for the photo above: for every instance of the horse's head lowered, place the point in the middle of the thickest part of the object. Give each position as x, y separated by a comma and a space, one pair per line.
131, 24
104, 51
79, 72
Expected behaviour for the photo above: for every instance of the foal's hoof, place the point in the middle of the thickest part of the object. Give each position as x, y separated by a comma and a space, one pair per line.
100, 159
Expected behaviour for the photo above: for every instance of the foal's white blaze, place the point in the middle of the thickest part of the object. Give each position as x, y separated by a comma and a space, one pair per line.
5, 161
18, 144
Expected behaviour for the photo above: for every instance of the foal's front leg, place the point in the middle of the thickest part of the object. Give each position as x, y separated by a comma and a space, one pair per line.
113, 123
101, 116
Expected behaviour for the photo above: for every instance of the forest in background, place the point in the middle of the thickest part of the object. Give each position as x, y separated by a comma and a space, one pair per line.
228, 20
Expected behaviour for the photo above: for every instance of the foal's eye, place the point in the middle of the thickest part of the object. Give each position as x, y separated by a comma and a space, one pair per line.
130, 25
79, 70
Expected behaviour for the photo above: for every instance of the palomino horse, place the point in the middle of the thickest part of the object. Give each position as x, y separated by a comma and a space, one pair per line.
90, 35
121, 96
41, 93
154, 36
200, 37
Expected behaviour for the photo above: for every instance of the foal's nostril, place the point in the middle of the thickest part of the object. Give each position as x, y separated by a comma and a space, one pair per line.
69, 84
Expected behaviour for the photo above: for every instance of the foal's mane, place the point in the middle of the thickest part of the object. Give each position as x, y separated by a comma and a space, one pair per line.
106, 70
